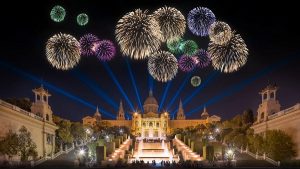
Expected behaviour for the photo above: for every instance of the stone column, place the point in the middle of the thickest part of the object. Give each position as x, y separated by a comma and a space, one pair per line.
53, 145
44, 143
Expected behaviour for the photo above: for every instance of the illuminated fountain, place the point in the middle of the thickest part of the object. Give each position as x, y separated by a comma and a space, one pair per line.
153, 150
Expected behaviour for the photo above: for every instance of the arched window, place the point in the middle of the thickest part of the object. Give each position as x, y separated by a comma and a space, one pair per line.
157, 124
137, 123
262, 116
272, 95
38, 97
265, 96
45, 98
144, 124
47, 117
150, 124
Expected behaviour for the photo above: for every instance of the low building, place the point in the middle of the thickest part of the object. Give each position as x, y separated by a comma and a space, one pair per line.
150, 122
38, 122
271, 117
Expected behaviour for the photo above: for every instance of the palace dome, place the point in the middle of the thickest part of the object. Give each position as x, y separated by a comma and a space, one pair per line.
150, 99
150, 104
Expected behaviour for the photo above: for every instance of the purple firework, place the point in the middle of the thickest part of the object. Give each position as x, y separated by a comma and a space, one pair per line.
106, 50
187, 63
199, 20
202, 57
88, 44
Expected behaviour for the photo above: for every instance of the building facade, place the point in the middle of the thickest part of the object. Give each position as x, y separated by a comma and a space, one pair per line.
271, 117
151, 123
38, 122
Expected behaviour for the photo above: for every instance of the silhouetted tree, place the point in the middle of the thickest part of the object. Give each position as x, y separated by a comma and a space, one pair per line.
248, 117
9, 144
279, 145
23, 103
64, 131
27, 147
77, 131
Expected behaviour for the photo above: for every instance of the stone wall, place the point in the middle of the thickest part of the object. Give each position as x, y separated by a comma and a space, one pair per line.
13, 118
286, 120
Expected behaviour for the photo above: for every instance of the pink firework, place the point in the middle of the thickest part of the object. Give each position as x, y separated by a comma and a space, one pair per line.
187, 63
87, 44
106, 50
202, 57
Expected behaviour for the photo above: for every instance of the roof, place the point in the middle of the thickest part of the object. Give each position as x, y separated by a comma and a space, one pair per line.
41, 90
270, 87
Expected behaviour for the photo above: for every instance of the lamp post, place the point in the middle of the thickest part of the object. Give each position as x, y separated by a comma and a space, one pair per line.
87, 132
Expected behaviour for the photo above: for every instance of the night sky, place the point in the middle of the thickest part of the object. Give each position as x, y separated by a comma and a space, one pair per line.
269, 31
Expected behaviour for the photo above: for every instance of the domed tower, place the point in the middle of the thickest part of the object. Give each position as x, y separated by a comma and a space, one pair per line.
269, 104
40, 106
150, 104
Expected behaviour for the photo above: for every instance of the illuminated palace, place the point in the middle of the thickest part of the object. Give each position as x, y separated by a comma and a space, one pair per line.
152, 123
38, 122
270, 116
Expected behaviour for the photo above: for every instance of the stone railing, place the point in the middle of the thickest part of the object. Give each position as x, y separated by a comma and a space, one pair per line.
284, 112
260, 157
18, 109
66, 151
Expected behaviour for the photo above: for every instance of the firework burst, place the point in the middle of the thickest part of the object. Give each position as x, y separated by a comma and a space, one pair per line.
63, 51
162, 66
89, 44
173, 45
171, 22
106, 50
138, 34
230, 57
200, 20
195, 81
202, 57
187, 63
220, 33
57, 13
82, 19
188, 47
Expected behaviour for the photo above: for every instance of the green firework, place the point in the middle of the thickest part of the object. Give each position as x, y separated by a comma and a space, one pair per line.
173, 45
188, 47
82, 19
58, 13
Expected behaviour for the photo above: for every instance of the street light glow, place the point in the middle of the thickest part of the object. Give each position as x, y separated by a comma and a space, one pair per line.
81, 152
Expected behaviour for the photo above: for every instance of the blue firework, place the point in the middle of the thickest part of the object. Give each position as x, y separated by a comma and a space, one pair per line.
200, 20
